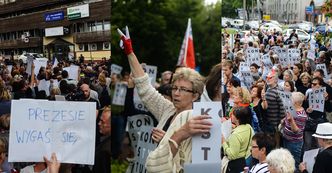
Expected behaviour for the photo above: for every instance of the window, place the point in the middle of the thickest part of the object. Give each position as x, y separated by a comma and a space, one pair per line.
107, 25
99, 26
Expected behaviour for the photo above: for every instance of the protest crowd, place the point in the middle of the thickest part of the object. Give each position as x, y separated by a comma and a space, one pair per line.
275, 101
64, 80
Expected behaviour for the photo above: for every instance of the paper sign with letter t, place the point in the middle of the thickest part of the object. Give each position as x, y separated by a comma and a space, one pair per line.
206, 147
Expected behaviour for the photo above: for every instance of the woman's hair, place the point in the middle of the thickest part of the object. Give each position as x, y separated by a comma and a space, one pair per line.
289, 73
281, 160
243, 114
165, 89
305, 74
213, 81
233, 82
55, 91
192, 76
259, 90
291, 83
297, 97
102, 79
244, 94
264, 140
3, 144
5, 121
4, 93
320, 80
300, 66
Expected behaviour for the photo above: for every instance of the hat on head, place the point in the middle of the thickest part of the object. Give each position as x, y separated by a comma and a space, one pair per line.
324, 131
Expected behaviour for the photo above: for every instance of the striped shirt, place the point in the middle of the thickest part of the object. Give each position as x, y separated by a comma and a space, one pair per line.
300, 120
260, 168
275, 111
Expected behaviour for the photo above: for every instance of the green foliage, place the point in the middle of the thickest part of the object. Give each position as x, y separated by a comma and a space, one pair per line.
119, 166
157, 28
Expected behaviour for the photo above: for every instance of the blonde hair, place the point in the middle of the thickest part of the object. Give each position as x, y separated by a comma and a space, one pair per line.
192, 76
244, 94
102, 79
305, 74
4, 93
297, 97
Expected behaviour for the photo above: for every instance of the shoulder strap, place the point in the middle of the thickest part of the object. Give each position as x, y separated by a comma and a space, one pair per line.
249, 139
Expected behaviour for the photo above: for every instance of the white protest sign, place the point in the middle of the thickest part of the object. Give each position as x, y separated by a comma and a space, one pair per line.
134, 124
323, 67
9, 68
116, 69
309, 158
72, 71
38, 128
317, 100
60, 98
312, 44
44, 85
226, 128
247, 79
138, 102
286, 98
119, 95
39, 62
244, 66
282, 56
206, 147
294, 56
29, 65
253, 55
151, 71
311, 55
145, 145
267, 61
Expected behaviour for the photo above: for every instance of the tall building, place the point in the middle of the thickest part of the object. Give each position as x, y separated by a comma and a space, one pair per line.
56, 28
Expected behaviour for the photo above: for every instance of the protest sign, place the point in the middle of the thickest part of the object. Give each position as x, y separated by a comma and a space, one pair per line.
247, 79
40, 127
119, 95
39, 62
44, 85
267, 63
323, 67
282, 56
206, 147
116, 69
29, 64
253, 55
311, 55
316, 99
72, 72
286, 98
145, 145
151, 71
201, 167
138, 102
309, 158
226, 128
244, 66
294, 56
60, 98
9, 68
134, 124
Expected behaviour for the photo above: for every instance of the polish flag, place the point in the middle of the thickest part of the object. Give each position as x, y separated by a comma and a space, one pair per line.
187, 53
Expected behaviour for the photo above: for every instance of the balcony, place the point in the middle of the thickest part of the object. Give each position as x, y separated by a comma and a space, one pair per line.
14, 44
91, 37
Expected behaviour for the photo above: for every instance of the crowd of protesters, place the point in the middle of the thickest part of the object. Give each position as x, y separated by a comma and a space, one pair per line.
92, 85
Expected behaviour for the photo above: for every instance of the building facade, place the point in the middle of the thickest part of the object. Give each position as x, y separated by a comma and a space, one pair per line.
56, 28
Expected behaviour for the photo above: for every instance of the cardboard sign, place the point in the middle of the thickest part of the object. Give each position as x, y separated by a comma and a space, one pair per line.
286, 98
248, 80
244, 66
138, 102
206, 147
294, 56
116, 69
145, 145
309, 158
44, 85
29, 65
120, 92
311, 55
151, 71
323, 67
39, 62
282, 56
40, 127
317, 100
253, 55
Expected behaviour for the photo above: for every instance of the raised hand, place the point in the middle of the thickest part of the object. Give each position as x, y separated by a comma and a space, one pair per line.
53, 165
127, 46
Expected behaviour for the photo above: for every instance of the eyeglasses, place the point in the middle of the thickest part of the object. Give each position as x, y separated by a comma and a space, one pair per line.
314, 84
182, 90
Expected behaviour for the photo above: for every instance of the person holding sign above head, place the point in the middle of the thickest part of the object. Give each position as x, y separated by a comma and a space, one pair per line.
187, 86
323, 159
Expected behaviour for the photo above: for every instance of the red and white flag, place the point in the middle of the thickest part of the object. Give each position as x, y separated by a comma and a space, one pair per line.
187, 53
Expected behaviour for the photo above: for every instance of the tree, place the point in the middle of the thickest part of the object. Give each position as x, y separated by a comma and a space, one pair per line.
158, 27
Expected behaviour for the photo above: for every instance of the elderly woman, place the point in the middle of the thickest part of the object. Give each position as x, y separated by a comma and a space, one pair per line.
187, 86
305, 79
280, 161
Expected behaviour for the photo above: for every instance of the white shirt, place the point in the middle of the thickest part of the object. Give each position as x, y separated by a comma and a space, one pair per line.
260, 168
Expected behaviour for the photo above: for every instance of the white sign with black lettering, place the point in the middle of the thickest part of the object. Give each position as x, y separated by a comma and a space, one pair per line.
323, 67
311, 55
253, 55
247, 79
206, 147
244, 66
138, 102
267, 63
282, 56
145, 145
286, 98
317, 100
294, 56
119, 95
151, 71
116, 69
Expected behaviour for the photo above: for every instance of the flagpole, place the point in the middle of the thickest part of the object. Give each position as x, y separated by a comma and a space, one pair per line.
187, 39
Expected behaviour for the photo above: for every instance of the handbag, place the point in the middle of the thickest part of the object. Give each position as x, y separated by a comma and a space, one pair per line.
311, 124
224, 164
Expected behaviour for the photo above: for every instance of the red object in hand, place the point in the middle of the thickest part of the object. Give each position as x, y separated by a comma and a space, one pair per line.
127, 45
